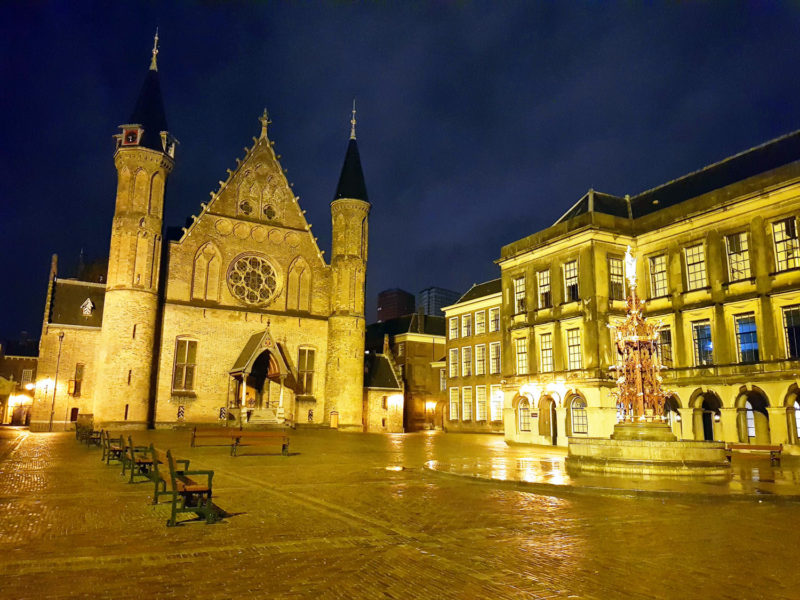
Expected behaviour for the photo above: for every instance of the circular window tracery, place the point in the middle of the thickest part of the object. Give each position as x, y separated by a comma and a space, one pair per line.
252, 279
269, 212
246, 207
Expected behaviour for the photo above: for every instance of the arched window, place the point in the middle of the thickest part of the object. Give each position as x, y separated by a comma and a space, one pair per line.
580, 422
524, 415
751, 421
206, 276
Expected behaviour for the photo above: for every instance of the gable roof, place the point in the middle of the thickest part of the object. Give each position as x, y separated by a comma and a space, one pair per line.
378, 373
479, 290
68, 297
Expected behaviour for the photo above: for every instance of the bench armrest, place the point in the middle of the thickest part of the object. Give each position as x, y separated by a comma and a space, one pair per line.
184, 462
210, 474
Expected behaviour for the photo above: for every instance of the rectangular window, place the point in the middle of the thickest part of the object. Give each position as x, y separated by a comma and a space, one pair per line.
305, 372
466, 361
494, 320
574, 358
521, 353
665, 346
496, 403
480, 402
480, 359
494, 358
545, 300
76, 390
703, 348
27, 376
546, 353
787, 251
480, 322
466, 404
746, 338
453, 404
571, 281
519, 295
658, 276
738, 256
616, 279
442, 380
453, 362
453, 328
185, 365
695, 267
580, 420
791, 325
466, 325
524, 416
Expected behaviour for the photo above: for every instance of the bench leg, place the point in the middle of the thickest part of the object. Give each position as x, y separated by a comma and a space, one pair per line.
285, 449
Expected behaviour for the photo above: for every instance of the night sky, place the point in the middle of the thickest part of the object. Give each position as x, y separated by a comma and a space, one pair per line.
478, 122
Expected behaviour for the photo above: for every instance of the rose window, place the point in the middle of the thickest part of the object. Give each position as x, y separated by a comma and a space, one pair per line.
252, 280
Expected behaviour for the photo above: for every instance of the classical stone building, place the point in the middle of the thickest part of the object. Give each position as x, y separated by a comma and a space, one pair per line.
719, 266
473, 395
238, 316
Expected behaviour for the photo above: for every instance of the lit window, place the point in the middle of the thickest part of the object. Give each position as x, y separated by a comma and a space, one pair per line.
453, 404
695, 267
738, 256
494, 320
185, 365
480, 402
751, 421
27, 376
524, 410
453, 328
746, 338
453, 362
665, 346
658, 276
466, 326
442, 380
703, 349
571, 281
519, 295
791, 325
466, 404
480, 322
616, 279
466, 361
496, 403
480, 359
580, 422
494, 357
787, 251
546, 353
543, 285
305, 372
521, 350
574, 358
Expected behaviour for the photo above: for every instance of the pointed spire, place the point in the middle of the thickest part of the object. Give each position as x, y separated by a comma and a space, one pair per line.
353, 122
264, 118
153, 63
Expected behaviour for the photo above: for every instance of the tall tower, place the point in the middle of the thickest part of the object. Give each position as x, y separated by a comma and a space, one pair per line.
344, 388
144, 158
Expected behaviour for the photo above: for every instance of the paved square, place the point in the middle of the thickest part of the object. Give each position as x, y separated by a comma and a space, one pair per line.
331, 521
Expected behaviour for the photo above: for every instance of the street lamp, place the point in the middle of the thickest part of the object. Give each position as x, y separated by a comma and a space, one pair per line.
55, 384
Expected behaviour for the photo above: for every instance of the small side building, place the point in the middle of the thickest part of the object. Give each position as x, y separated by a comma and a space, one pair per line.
383, 394
17, 374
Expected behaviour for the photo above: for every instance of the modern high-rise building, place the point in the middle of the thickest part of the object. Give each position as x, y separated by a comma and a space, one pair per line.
394, 303
431, 300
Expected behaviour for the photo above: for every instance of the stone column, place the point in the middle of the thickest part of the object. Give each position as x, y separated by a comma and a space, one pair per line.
727, 429
778, 426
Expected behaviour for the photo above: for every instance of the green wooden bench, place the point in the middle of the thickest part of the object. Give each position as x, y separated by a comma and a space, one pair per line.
260, 438
186, 493
160, 471
112, 447
136, 460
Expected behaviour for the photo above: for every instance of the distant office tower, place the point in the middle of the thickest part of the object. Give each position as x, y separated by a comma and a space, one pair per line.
431, 300
394, 303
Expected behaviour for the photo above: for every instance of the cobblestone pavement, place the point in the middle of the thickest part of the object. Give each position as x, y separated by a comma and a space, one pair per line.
331, 521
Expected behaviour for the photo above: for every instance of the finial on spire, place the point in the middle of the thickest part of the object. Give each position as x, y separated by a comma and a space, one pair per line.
264, 122
353, 122
153, 64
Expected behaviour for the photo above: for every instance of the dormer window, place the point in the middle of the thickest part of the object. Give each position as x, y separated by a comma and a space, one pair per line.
87, 307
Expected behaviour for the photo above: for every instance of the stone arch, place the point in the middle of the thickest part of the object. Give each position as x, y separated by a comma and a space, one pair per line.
706, 415
339, 231
298, 286
206, 273
124, 190
141, 191
791, 401
522, 404
548, 425
156, 195
752, 417
142, 260
577, 421
364, 232
672, 406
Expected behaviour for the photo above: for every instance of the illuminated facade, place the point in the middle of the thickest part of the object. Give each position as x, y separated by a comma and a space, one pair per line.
718, 265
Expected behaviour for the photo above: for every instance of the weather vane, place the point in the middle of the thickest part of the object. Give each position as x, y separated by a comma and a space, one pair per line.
353, 122
153, 65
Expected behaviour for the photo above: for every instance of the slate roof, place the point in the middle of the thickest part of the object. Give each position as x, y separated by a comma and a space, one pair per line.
755, 161
68, 297
429, 324
479, 290
149, 112
351, 181
378, 373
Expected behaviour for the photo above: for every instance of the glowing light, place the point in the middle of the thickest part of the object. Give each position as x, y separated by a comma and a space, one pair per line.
529, 389
18, 400
44, 383
396, 400
29, 386
430, 405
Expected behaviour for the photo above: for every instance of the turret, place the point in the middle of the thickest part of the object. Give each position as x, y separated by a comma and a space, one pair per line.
144, 157
349, 216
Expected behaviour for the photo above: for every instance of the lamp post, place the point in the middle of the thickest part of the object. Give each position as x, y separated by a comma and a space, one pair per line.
55, 383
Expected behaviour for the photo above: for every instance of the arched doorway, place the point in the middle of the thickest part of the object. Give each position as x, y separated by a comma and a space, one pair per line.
707, 415
548, 426
752, 418
673, 415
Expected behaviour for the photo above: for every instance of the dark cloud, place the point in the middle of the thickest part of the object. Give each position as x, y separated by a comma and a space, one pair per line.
479, 122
